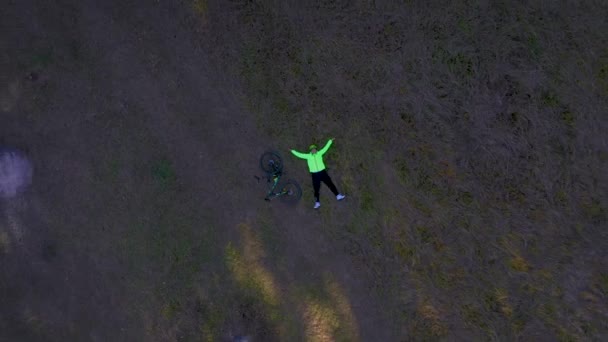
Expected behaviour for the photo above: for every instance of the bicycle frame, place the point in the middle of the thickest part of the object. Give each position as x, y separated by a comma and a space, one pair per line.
272, 165
274, 178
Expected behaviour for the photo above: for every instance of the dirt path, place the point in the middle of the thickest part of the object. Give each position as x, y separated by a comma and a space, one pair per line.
147, 60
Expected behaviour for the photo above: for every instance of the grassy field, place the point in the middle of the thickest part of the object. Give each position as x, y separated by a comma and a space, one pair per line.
470, 137
470, 141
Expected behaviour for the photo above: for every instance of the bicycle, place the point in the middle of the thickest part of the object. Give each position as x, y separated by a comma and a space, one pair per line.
272, 164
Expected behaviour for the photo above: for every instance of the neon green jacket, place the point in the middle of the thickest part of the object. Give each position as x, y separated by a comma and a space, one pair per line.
315, 161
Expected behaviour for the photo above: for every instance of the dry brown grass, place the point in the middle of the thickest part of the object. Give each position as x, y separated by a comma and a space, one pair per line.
471, 139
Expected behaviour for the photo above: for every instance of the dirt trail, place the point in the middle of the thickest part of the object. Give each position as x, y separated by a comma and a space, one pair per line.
149, 60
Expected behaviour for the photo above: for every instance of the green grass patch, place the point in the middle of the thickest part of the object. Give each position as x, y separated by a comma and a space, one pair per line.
424, 234
594, 210
561, 197
460, 64
602, 74
422, 207
42, 58
438, 276
602, 283
465, 26
518, 322
457, 63
534, 45
163, 172
473, 317
406, 252
5, 242
465, 197
373, 234
427, 323
200, 7
514, 193
519, 264
403, 171
564, 336
568, 118
112, 171
550, 99
171, 309
281, 104
424, 180
367, 200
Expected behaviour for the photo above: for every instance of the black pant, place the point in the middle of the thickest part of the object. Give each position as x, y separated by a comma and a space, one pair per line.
322, 176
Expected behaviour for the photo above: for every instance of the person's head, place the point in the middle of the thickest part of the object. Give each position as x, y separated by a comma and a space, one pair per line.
312, 148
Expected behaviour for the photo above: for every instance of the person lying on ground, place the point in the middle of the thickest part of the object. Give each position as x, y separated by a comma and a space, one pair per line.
318, 171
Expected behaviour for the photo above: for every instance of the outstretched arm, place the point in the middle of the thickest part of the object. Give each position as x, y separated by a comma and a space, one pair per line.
326, 147
299, 155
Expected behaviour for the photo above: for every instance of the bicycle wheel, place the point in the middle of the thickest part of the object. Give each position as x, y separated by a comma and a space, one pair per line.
290, 191
271, 162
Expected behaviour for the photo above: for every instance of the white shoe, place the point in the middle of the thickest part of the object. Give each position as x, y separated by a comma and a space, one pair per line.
317, 205
340, 197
